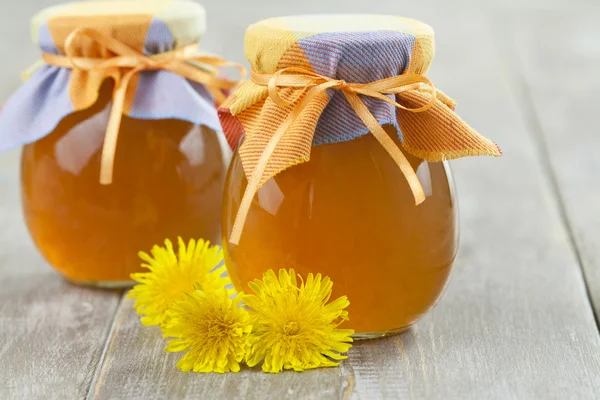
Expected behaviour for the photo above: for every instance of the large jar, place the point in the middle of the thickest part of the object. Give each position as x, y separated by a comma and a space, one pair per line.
167, 169
332, 195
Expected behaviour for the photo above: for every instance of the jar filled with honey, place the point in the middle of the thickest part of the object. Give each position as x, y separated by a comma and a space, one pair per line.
340, 167
123, 145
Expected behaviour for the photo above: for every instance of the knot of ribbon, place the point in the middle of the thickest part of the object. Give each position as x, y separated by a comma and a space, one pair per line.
125, 62
315, 84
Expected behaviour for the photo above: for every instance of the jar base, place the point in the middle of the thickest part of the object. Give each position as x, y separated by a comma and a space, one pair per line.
103, 284
380, 334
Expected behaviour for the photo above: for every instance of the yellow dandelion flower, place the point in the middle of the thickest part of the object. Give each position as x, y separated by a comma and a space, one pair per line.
197, 265
294, 327
212, 328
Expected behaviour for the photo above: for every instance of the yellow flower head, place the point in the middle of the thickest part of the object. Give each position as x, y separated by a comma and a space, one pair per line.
293, 327
199, 265
212, 328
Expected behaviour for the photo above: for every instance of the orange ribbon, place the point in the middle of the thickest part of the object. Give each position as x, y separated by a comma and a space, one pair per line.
129, 62
296, 77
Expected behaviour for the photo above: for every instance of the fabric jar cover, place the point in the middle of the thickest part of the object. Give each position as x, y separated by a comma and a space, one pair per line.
353, 48
151, 27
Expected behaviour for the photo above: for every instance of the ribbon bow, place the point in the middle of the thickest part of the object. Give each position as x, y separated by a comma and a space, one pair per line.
129, 62
296, 77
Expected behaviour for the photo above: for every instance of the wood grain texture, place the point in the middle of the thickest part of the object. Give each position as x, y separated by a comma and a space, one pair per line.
515, 322
559, 69
137, 367
51, 333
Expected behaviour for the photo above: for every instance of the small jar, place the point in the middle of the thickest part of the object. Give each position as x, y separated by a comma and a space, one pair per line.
334, 194
167, 169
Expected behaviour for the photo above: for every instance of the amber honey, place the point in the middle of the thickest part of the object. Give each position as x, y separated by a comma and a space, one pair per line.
167, 182
349, 214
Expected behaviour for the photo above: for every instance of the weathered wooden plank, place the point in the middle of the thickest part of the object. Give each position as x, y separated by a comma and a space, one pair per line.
51, 333
558, 62
136, 367
515, 321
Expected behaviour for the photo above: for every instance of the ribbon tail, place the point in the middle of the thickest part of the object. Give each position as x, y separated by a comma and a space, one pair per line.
112, 130
216, 86
257, 174
388, 144
255, 180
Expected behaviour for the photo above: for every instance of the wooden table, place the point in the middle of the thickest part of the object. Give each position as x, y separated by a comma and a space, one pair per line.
518, 318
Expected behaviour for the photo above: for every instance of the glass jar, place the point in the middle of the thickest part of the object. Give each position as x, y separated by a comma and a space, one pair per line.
349, 214
123, 145
167, 182
340, 165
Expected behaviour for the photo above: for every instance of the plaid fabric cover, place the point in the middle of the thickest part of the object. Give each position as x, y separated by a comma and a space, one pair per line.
355, 48
151, 26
